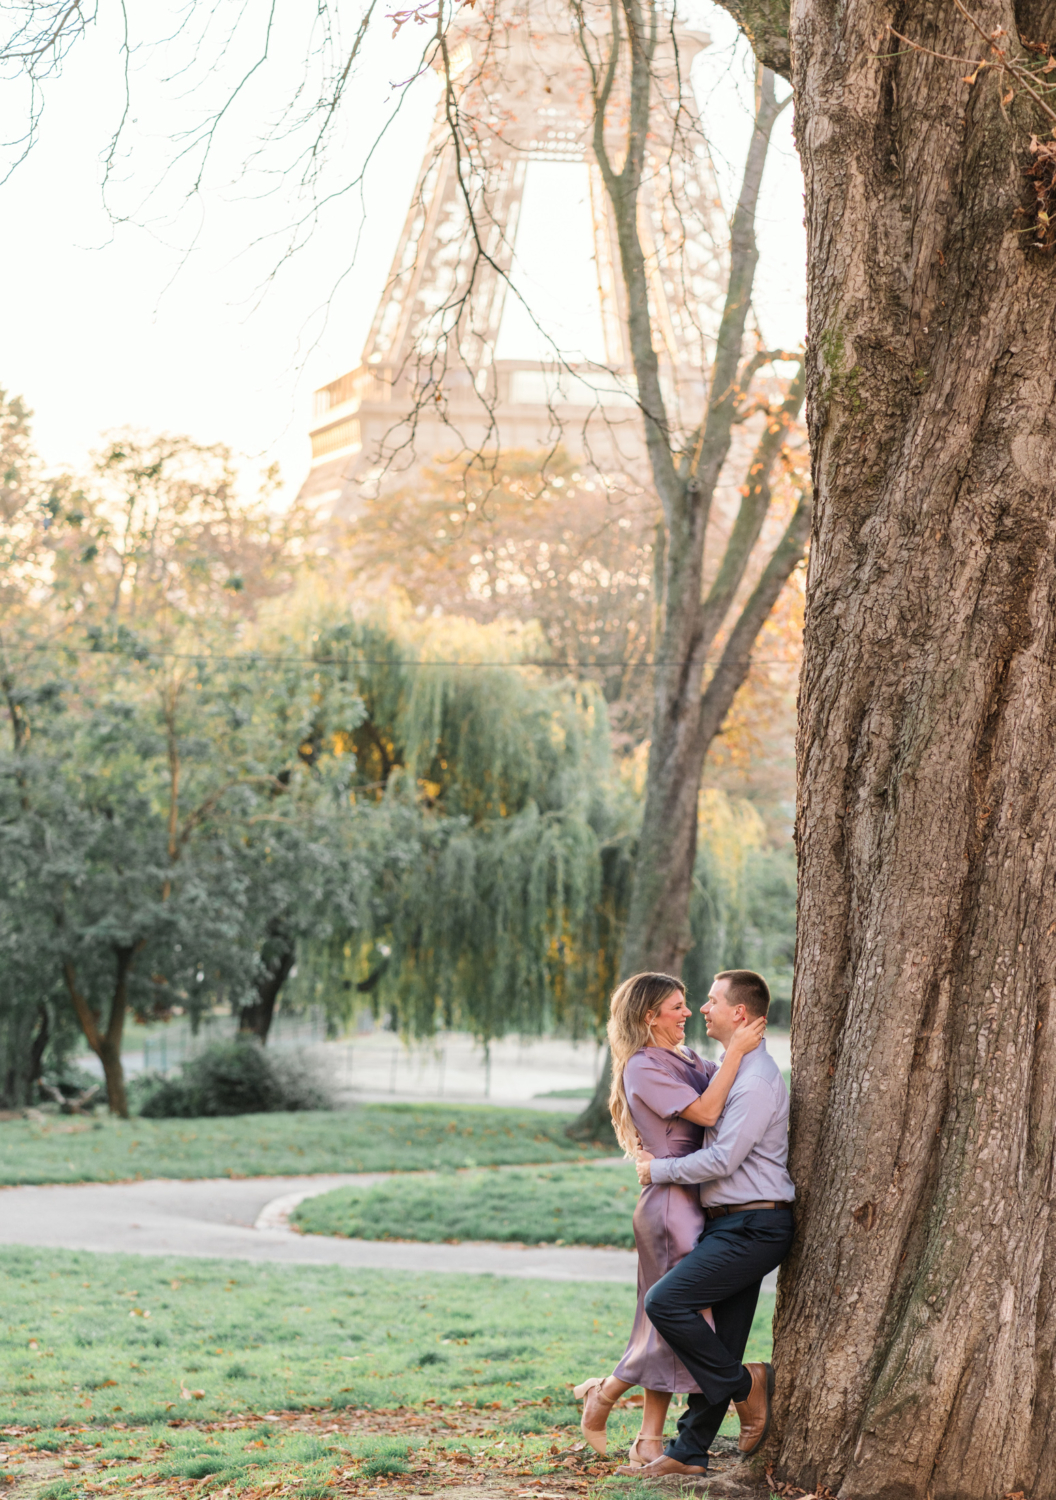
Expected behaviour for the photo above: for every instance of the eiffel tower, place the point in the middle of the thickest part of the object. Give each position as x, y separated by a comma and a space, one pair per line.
430, 383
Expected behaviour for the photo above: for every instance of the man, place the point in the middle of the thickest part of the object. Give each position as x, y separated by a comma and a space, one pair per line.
746, 1194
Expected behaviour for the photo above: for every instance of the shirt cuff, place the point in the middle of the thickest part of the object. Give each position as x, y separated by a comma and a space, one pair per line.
660, 1167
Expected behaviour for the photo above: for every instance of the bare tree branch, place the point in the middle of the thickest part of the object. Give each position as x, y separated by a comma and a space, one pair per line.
754, 508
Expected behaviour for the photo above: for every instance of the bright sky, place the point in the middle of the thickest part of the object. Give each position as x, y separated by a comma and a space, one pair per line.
185, 316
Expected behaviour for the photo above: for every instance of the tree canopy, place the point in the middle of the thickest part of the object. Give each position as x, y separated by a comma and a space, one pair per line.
221, 784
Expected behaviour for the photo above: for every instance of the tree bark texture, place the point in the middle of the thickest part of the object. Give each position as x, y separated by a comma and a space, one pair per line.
916, 1328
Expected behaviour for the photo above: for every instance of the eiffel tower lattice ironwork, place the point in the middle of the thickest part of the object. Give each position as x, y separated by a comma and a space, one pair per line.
429, 384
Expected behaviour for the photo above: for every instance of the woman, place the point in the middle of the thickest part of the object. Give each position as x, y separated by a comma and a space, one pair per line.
664, 1095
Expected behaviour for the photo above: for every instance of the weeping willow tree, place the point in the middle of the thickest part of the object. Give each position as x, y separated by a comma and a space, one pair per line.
493, 839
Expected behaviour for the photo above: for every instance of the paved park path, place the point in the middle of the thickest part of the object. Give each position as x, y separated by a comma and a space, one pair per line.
245, 1219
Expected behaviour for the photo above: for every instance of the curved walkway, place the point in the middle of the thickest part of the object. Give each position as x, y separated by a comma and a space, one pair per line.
246, 1219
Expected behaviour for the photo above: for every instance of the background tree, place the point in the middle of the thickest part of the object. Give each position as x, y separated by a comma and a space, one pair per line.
140, 768
492, 836
95, 889
295, 840
34, 1011
158, 849
688, 711
685, 719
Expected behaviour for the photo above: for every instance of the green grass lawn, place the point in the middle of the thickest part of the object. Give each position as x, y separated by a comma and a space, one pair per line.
589, 1204
96, 1340
369, 1138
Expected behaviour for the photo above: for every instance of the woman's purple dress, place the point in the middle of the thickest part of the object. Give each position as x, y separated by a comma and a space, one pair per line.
668, 1219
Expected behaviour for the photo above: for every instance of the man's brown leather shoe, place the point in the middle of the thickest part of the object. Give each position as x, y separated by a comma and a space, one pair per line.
661, 1467
754, 1410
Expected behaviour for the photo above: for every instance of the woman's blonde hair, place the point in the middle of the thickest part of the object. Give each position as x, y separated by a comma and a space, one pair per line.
628, 1033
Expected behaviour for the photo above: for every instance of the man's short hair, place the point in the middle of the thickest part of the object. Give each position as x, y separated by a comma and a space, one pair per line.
748, 989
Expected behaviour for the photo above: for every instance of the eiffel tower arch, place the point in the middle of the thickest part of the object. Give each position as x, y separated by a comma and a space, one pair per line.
432, 381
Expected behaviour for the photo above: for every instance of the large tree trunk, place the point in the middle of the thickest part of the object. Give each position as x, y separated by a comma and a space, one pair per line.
916, 1326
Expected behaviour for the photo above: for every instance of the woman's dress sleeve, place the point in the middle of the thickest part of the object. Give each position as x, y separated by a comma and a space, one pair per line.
650, 1080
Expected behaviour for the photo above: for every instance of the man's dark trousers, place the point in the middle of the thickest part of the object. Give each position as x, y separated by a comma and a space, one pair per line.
723, 1271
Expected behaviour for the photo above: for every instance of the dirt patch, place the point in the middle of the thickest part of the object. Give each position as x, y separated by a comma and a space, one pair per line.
29, 1473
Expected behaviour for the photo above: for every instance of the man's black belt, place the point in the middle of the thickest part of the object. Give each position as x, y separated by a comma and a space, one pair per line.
720, 1210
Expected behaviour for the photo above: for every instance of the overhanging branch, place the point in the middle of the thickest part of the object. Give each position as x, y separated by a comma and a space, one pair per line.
765, 23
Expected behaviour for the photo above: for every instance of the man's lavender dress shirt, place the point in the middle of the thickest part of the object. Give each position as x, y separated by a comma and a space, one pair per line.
744, 1158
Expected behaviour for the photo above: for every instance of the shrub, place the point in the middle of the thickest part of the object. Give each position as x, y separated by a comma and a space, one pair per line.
143, 1086
237, 1078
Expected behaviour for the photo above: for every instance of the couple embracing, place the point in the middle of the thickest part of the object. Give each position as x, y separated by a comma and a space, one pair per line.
715, 1214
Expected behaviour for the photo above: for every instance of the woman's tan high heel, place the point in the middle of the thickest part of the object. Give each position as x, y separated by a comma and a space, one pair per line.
595, 1436
634, 1458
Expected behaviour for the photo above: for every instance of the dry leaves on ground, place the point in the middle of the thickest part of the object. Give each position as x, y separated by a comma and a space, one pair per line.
492, 1460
